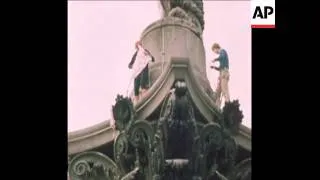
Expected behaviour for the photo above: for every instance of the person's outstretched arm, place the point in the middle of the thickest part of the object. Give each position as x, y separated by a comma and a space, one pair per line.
214, 67
152, 58
133, 59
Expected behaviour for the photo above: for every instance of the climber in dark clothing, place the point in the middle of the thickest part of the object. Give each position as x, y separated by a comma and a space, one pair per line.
139, 63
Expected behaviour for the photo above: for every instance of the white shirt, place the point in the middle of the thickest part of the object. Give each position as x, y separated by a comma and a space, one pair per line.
142, 60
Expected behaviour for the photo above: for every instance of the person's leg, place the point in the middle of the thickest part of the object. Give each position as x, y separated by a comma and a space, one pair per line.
218, 92
145, 80
137, 82
224, 85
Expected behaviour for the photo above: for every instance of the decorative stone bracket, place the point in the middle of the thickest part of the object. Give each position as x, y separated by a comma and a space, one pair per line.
174, 145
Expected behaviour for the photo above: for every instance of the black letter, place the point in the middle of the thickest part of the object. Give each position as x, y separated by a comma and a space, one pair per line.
257, 13
266, 9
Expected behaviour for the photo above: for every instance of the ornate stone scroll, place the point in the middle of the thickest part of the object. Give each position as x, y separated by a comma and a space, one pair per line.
198, 153
93, 166
175, 148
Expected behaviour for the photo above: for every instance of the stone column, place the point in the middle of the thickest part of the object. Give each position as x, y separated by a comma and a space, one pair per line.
176, 37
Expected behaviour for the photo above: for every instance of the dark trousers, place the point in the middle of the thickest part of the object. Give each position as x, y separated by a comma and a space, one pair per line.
142, 80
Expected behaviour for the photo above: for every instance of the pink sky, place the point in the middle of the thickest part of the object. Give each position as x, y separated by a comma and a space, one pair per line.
101, 36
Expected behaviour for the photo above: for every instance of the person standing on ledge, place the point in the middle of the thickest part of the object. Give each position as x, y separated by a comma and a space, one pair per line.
139, 64
222, 88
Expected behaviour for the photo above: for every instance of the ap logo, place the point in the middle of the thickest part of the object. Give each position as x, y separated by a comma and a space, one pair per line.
263, 13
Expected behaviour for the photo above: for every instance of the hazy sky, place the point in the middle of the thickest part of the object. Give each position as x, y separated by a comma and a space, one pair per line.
101, 37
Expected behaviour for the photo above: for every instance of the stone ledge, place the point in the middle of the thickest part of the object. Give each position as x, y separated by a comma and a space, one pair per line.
243, 138
92, 129
87, 139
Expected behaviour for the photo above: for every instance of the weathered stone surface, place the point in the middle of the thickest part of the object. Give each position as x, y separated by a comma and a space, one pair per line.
242, 170
93, 166
175, 38
189, 10
143, 151
173, 149
232, 116
176, 146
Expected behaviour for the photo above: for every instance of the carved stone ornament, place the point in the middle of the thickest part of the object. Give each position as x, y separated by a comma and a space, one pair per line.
232, 116
242, 170
189, 10
93, 166
173, 147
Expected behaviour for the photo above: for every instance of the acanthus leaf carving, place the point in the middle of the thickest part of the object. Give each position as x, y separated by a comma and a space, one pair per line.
93, 166
232, 116
120, 152
123, 113
176, 145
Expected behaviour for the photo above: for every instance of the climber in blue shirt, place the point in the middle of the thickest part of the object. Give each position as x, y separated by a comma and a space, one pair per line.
222, 88
223, 60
